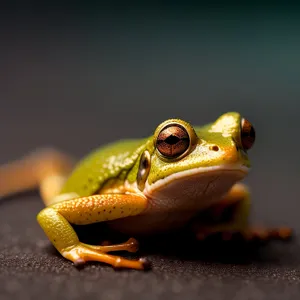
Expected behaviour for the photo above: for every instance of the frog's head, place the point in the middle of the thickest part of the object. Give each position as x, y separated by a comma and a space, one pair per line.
192, 167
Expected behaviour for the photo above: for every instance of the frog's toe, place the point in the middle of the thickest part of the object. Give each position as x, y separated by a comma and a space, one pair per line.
265, 234
80, 254
282, 233
79, 263
146, 263
132, 245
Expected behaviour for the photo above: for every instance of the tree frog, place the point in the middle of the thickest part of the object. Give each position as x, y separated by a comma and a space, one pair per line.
156, 184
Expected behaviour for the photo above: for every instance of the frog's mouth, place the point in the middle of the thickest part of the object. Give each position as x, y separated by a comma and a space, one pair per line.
195, 188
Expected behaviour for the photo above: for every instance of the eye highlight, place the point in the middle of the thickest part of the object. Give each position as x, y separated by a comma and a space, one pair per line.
173, 140
247, 134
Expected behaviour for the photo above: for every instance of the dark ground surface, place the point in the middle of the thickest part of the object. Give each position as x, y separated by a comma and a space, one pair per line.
32, 269
79, 80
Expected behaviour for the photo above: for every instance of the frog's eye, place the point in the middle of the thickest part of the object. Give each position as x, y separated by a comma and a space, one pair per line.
173, 140
247, 134
144, 169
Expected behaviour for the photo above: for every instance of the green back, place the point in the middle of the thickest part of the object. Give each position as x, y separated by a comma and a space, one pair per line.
108, 162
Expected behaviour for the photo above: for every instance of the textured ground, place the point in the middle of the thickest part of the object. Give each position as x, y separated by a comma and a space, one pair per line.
30, 267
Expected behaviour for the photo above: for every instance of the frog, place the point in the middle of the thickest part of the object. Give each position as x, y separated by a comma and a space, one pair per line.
157, 184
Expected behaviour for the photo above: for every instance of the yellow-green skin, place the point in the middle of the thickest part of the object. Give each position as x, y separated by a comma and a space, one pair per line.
113, 184
120, 160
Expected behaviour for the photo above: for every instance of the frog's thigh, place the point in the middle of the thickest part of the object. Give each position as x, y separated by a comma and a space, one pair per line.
239, 198
54, 168
46, 168
55, 221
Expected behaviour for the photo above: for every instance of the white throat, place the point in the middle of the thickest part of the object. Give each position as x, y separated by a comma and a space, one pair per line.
193, 189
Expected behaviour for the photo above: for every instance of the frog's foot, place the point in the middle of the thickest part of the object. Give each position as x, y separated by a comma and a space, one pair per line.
131, 245
229, 218
264, 233
82, 253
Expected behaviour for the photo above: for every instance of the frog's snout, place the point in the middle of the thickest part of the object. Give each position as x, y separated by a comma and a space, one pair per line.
229, 154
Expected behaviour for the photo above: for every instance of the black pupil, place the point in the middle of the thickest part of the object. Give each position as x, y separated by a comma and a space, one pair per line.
172, 140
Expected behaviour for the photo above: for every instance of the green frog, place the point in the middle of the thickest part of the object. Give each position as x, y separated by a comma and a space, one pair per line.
144, 186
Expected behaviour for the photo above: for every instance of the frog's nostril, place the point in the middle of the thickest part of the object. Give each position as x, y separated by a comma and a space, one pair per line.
214, 148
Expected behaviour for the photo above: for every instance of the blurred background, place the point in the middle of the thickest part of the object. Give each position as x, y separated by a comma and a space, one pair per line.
76, 76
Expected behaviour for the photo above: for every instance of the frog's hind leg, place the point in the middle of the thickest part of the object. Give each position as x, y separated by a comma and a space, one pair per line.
45, 168
230, 217
56, 222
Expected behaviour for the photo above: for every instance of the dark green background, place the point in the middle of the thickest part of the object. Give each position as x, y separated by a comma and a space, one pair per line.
76, 77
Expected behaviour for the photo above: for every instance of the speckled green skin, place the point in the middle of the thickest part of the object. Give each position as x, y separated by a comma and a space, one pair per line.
111, 161
121, 160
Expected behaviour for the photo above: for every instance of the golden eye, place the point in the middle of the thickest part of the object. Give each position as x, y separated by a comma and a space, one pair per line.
247, 134
173, 140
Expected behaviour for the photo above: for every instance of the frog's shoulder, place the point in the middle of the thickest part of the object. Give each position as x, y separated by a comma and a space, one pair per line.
111, 161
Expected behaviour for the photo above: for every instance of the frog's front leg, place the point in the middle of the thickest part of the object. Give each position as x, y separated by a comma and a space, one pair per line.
56, 221
231, 215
